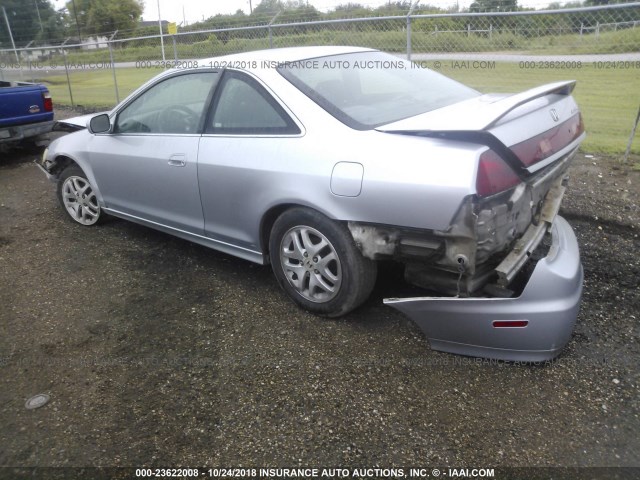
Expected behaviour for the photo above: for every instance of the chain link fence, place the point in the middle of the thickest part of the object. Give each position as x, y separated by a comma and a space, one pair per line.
104, 70
594, 30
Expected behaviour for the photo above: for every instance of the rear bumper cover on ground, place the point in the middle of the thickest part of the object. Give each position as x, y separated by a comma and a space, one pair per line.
549, 302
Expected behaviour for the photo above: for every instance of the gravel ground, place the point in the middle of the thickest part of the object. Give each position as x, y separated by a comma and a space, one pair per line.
159, 352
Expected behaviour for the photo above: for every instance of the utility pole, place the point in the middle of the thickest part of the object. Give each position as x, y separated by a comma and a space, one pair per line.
75, 14
250, 8
39, 18
11, 36
161, 36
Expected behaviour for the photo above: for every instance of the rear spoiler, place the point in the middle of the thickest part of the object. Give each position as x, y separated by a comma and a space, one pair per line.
501, 108
474, 128
456, 117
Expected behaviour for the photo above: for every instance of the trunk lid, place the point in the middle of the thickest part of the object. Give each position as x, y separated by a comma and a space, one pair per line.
479, 113
529, 130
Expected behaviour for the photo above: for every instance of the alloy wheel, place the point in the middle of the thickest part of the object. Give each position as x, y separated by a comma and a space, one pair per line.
80, 201
311, 264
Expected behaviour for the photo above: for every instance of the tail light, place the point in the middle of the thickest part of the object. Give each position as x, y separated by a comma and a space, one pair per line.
47, 102
494, 175
547, 143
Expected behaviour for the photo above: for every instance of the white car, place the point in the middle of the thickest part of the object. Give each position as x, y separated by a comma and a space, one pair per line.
323, 160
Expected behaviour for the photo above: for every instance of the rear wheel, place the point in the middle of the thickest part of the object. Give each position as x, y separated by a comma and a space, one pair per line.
77, 197
316, 262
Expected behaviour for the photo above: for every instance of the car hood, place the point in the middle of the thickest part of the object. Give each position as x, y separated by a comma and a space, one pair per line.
476, 114
74, 124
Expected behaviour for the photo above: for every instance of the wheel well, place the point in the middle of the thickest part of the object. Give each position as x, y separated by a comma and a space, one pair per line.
268, 219
62, 162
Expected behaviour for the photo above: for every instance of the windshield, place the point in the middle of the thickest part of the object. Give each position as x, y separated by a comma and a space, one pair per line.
367, 89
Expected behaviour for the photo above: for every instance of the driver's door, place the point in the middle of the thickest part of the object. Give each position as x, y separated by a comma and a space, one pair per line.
147, 166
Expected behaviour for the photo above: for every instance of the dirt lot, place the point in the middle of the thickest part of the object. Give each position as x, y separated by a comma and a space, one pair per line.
159, 352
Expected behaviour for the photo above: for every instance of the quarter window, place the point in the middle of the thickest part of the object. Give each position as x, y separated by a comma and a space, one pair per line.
244, 107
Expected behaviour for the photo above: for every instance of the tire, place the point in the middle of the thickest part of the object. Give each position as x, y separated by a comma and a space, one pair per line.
317, 263
77, 198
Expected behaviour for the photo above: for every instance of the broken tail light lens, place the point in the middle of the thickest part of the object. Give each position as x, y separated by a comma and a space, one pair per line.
494, 175
47, 102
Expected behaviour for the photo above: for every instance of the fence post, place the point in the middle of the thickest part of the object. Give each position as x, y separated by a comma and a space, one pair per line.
26, 49
408, 38
409, 30
175, 49
66, 70
113, 66
271, 23
633, 134
468, 29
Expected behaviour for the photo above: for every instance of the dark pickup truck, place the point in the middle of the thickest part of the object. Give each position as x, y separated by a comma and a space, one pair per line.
26, 112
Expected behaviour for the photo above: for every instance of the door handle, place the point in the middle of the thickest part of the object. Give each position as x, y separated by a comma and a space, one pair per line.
177, 160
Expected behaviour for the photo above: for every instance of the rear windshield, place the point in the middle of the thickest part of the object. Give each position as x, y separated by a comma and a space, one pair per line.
367, 89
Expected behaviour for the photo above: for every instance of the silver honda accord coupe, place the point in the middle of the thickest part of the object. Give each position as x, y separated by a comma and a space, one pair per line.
322, 161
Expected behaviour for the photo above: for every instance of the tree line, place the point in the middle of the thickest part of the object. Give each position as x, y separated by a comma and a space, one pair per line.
37, 21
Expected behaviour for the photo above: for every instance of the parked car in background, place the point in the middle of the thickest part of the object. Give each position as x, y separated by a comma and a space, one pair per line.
26, 112
324, 160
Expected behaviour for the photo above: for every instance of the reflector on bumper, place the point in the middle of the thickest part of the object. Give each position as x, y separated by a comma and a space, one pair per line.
549, 303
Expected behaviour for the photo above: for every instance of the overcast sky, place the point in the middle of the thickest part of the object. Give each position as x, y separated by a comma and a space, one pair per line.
195, 10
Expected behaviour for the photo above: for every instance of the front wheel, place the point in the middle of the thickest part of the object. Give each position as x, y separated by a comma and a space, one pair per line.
317, 263
77, 197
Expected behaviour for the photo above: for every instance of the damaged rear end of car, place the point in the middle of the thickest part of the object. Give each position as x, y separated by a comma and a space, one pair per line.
508, 265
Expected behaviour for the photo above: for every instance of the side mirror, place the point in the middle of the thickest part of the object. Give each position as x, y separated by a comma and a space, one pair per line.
100, 124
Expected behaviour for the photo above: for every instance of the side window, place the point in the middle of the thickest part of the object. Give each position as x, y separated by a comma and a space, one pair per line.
175, 105
243, 106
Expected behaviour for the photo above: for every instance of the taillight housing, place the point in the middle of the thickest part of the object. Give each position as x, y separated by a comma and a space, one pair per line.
494, 175
47, 102
550, 142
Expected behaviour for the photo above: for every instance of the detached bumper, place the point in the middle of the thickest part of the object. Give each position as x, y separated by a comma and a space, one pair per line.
548, 306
